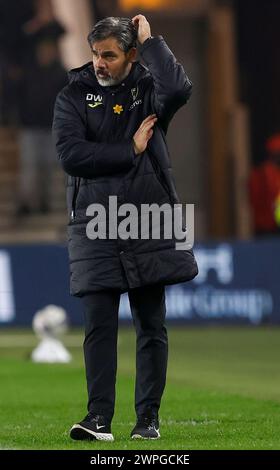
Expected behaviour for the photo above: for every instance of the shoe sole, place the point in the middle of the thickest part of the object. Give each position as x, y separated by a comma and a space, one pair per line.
138, 436
79, 433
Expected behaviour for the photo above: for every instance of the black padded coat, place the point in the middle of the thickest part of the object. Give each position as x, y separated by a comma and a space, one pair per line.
93, 129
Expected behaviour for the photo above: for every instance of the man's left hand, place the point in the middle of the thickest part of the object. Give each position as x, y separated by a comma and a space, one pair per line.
144, 29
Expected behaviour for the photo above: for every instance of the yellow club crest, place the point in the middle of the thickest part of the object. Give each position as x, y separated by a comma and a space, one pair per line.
118, 109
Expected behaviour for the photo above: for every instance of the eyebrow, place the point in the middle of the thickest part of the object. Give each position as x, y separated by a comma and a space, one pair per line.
105, 52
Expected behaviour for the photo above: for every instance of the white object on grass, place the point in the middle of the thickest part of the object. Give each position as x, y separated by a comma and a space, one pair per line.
49, 324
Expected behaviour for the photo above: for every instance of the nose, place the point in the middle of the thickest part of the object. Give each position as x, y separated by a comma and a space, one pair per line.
100, 63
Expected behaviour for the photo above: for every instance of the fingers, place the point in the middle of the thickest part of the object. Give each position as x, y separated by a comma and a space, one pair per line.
138, 18
149, 134
151, 117
144, 133
148, 126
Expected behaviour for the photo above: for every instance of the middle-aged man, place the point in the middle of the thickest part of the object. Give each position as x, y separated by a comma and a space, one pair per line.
109, 125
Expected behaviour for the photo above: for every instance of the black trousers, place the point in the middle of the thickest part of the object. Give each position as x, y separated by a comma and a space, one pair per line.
100, 347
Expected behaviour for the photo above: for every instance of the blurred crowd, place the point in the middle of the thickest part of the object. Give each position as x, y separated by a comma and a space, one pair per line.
31, 75
264, 189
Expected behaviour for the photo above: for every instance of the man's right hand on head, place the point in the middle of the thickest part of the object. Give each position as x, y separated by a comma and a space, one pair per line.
143, 134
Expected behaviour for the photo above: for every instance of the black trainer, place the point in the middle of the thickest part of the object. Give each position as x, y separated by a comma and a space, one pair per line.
92, 427
147, 427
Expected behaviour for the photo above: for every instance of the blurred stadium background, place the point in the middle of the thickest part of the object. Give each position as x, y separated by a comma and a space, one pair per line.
223, 389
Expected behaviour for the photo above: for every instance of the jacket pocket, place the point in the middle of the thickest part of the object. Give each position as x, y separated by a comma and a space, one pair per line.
159, 174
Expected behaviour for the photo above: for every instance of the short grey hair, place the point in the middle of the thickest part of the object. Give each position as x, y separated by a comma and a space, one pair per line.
120, 28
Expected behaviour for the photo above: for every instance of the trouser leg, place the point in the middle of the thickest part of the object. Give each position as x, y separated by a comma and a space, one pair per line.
100, 350
149, 311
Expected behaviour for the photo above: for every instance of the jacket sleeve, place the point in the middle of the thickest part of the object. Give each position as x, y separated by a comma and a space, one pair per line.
171, 85
79, 156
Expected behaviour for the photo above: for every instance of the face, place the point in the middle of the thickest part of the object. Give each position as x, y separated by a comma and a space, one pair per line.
111, 64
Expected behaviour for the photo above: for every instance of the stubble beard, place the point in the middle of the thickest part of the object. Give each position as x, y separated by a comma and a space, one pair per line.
111, 81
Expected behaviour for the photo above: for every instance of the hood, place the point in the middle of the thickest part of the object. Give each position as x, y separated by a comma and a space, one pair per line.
86, 75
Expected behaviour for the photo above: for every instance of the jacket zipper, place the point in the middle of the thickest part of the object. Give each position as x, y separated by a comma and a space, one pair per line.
74, 198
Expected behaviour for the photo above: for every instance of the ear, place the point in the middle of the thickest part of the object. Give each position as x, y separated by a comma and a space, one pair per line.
131, 55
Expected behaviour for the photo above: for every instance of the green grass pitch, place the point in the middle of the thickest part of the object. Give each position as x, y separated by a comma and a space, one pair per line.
222, 392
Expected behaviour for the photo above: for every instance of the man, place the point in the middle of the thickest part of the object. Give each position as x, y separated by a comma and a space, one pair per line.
264, 190
109, 125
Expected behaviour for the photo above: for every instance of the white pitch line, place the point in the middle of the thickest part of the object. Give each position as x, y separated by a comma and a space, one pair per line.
30, 341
